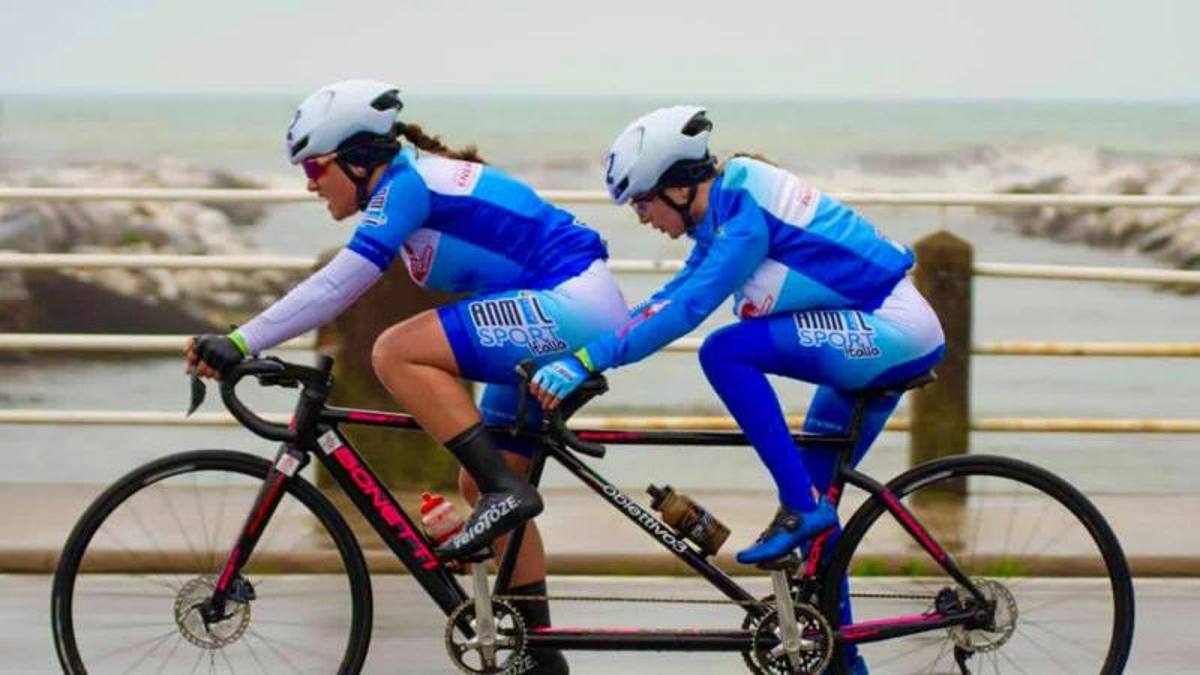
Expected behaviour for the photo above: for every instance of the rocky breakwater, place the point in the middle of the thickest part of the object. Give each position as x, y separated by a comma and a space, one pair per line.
124, 300
1170, 235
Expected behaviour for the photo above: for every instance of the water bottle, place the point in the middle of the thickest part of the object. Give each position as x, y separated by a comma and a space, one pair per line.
439, 518
689, 518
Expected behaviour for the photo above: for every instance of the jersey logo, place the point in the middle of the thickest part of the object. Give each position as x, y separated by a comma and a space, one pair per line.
519, 320
846, 331
749, 310
641, 317
418, 263
374, 214
464, 176
419, 252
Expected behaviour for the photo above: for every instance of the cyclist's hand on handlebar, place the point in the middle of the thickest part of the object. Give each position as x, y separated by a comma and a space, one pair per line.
556, 380
210, 355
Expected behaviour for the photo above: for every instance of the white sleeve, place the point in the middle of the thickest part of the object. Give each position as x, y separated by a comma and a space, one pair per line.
313, 302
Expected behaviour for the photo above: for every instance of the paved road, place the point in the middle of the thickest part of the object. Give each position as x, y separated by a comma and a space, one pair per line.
407, 637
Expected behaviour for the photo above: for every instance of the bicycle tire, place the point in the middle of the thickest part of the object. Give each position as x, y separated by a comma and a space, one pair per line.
229, 465
978, 468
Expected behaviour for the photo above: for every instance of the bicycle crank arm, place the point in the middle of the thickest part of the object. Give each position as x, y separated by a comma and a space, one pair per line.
485, 621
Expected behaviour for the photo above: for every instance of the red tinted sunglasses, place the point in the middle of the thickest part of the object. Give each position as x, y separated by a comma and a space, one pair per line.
313, 168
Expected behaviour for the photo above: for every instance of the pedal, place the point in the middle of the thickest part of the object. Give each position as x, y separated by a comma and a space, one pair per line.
788, 563
482, 555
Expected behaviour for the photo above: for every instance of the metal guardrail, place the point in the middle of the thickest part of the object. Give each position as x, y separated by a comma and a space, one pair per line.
27, 194
612, 423
91, 261
172, 344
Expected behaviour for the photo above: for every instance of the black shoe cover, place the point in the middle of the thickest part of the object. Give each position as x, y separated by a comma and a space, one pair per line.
495, 514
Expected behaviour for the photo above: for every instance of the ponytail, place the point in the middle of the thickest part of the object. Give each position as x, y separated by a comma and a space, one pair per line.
752, 155
433, 144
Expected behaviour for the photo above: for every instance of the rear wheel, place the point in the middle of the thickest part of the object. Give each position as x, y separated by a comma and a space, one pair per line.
1039, 551
147, 553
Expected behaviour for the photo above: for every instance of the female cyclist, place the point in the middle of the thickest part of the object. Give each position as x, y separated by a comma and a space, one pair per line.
822, 297
538, 278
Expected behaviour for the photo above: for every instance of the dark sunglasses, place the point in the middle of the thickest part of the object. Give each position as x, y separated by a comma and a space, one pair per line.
640, 202
313, 168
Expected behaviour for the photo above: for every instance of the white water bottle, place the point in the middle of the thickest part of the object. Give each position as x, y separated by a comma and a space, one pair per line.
439, 518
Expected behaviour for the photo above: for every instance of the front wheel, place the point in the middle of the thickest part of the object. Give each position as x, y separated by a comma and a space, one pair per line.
1038, 550
146, 555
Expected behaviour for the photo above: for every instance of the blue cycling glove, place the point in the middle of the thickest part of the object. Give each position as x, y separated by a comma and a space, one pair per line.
562, 376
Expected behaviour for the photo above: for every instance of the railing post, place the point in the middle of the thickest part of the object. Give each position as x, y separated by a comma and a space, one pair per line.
941, 412
401, 458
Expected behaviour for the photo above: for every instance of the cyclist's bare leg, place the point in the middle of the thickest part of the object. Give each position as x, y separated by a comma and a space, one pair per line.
531, 560
414, 361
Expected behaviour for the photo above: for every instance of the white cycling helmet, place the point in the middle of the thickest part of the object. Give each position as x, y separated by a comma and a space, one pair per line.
344, 111
664, 148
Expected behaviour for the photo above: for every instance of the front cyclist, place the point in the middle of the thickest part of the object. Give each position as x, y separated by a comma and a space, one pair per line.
822, 297
538, 278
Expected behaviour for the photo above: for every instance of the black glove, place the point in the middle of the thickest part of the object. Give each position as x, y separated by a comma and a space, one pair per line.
217, 351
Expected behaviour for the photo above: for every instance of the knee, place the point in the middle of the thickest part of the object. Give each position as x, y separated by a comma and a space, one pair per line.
716, 351
390, 349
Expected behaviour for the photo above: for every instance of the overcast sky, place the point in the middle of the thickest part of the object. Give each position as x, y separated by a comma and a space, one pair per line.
1114, 49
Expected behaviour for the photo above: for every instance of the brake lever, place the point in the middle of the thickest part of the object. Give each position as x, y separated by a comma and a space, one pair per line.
198, 393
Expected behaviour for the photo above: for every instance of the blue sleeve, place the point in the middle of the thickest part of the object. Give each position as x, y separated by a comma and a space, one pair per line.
668, 289
394, 212
738, 248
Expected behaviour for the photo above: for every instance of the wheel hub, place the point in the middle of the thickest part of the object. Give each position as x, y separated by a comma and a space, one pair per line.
190, 602
1004, 618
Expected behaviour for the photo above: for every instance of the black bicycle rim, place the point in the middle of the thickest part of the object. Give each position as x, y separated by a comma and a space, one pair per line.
284, 602
1056, 554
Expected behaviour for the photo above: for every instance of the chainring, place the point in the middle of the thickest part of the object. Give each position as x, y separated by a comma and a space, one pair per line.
510, 639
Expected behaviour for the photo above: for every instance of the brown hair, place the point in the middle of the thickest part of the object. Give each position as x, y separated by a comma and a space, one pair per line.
751, 155
414, 134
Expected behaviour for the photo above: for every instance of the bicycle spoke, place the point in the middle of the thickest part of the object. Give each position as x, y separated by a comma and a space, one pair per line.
1011, 526
171, 653
140, 643
267, 643
119, 620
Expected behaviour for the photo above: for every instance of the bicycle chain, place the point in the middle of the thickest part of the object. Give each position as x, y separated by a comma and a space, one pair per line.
696, 601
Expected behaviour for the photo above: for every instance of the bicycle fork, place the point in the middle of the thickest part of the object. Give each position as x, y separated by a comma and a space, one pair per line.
288, 461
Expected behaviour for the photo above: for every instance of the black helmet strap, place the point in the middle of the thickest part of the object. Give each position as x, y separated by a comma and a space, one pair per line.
685, 209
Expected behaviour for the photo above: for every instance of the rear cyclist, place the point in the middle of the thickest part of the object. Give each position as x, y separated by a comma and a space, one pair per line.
538, 278
822, 297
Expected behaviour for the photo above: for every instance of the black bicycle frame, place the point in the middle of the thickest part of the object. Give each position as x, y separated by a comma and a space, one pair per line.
415, 551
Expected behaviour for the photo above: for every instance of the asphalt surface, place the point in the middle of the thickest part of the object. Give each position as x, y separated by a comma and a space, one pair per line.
408, 629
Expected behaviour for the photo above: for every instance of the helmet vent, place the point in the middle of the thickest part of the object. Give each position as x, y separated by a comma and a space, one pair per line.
300, 145
697, 124
388, 100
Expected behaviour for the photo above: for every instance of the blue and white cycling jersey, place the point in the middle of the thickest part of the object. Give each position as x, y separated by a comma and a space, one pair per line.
460, 226
777, 245
467, 227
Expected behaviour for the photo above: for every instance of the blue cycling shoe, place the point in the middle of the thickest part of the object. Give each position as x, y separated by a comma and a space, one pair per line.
787, 531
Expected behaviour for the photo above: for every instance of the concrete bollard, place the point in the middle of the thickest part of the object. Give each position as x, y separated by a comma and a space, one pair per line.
941, 411
401, 458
